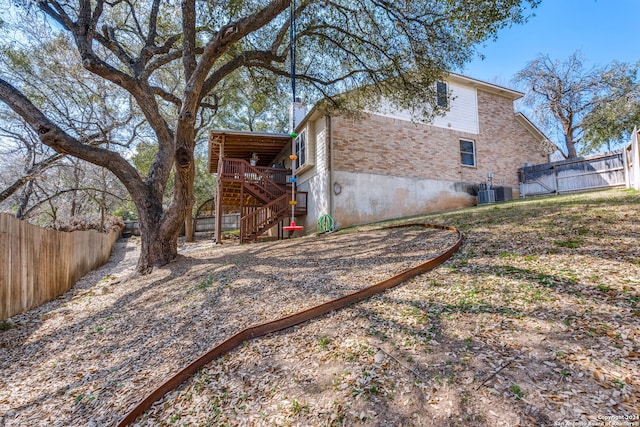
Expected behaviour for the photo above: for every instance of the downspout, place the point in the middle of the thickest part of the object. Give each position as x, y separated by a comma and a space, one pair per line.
330, 146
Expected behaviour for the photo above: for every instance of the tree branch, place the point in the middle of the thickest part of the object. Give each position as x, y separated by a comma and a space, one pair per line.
189, 37
53, 136
29, 175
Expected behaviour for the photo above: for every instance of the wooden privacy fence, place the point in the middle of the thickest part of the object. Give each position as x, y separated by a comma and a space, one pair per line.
38, 265
208, 223
567, 176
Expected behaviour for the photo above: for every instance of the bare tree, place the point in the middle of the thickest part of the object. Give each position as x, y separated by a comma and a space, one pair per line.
74, 192
171, 58
563, 93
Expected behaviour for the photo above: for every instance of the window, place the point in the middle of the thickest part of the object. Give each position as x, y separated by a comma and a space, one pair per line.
442, 94
301, 150
467, 152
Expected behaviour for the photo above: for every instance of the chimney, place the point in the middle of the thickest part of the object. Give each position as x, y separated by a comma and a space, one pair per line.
297, 112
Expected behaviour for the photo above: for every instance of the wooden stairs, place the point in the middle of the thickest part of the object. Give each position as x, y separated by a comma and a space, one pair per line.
261, 194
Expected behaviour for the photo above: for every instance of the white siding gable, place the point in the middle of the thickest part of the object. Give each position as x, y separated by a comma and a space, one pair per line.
462, 114
321, 144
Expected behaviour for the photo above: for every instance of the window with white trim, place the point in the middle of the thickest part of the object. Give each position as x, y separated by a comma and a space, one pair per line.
468, 152
301, 150
442, 94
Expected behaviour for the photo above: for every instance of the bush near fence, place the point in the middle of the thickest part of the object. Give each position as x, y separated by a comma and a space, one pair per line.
38, 265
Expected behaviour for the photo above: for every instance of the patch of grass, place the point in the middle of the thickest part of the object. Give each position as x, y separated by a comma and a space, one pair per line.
572, 243
215, 408
298, 408
517, 391
416, 313
5, 325
467, 343
324, 342
201, 383
619, 383
603, 288
230, 234
506, 254
582, 230
206, 283
634, 299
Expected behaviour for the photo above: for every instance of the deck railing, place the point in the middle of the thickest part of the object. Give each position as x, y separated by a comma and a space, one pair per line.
239, 170
278, 175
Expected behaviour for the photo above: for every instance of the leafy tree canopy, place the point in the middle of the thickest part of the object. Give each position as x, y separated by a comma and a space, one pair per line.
613, 118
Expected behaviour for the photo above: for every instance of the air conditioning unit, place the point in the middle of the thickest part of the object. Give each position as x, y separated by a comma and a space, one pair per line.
503, 193
486, 196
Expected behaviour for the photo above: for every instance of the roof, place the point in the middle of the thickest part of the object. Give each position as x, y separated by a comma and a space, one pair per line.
459, 78
533, 129
241, 145
488, 87
548, 146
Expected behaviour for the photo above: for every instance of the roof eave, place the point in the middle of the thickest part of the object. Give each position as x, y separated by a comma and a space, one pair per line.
488, 87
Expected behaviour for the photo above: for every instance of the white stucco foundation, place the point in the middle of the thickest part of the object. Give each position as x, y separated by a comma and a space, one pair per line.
360, 198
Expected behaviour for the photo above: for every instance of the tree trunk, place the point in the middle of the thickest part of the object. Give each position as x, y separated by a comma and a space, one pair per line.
569, 140
157, 248
24, 200
189, 232
571, 147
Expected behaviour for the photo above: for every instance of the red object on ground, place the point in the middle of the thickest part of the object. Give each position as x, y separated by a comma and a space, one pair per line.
293, 227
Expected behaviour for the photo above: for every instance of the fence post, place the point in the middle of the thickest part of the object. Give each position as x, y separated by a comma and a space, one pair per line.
635, 160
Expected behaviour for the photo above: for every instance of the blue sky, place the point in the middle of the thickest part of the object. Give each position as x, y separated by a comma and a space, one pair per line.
603, 30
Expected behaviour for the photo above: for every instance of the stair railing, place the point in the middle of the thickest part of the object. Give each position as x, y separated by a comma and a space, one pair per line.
261, 219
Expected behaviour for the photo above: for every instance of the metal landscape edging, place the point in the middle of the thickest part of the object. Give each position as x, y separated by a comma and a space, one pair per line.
292, 320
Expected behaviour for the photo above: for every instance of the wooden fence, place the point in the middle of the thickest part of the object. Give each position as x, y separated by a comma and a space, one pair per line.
208, 223
568, 176
38, 265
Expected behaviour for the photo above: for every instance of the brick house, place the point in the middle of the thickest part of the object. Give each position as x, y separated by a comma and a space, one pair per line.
382, 165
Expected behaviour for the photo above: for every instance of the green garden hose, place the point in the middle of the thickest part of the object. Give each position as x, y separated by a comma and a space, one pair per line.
325, 223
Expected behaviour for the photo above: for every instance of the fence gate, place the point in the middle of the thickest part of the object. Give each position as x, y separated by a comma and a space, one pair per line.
568, 176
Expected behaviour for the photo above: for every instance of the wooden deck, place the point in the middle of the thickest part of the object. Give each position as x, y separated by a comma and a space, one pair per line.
262, 195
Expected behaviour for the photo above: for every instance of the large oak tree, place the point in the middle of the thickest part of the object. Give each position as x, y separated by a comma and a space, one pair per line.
172, 59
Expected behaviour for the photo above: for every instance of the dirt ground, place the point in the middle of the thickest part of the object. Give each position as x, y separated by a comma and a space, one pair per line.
535, 321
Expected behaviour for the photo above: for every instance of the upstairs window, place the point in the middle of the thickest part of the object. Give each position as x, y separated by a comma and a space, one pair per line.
442, 94
301, 150
468, 152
